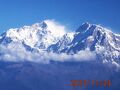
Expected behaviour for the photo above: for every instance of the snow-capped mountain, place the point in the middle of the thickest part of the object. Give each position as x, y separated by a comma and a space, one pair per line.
38, 36
91, 37
44, 37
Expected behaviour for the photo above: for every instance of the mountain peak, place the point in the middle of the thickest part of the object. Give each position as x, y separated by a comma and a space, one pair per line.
38, 35
87, 27
43, 25
83, 27
86, 23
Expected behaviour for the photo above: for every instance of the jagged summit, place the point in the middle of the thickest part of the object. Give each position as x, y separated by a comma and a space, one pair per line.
90, 27
43, 25
83, 27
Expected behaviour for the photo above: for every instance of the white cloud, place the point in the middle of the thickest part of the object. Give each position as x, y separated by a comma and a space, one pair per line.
20, 54
56, 28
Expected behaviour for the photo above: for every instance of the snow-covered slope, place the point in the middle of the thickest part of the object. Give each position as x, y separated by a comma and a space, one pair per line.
38, 36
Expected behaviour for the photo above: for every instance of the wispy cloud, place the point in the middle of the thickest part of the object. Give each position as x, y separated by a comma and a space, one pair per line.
56, 27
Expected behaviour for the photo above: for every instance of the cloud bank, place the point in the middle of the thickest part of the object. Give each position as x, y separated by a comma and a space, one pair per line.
19, 53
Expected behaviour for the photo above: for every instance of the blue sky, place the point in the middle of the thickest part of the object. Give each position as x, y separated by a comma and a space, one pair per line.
72, 13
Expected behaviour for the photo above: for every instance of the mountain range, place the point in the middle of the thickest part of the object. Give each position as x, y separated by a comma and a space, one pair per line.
40, 37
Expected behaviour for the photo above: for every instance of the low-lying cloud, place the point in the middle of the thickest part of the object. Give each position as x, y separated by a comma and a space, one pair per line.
18, 53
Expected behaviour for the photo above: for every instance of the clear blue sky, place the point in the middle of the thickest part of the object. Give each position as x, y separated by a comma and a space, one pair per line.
16, 13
